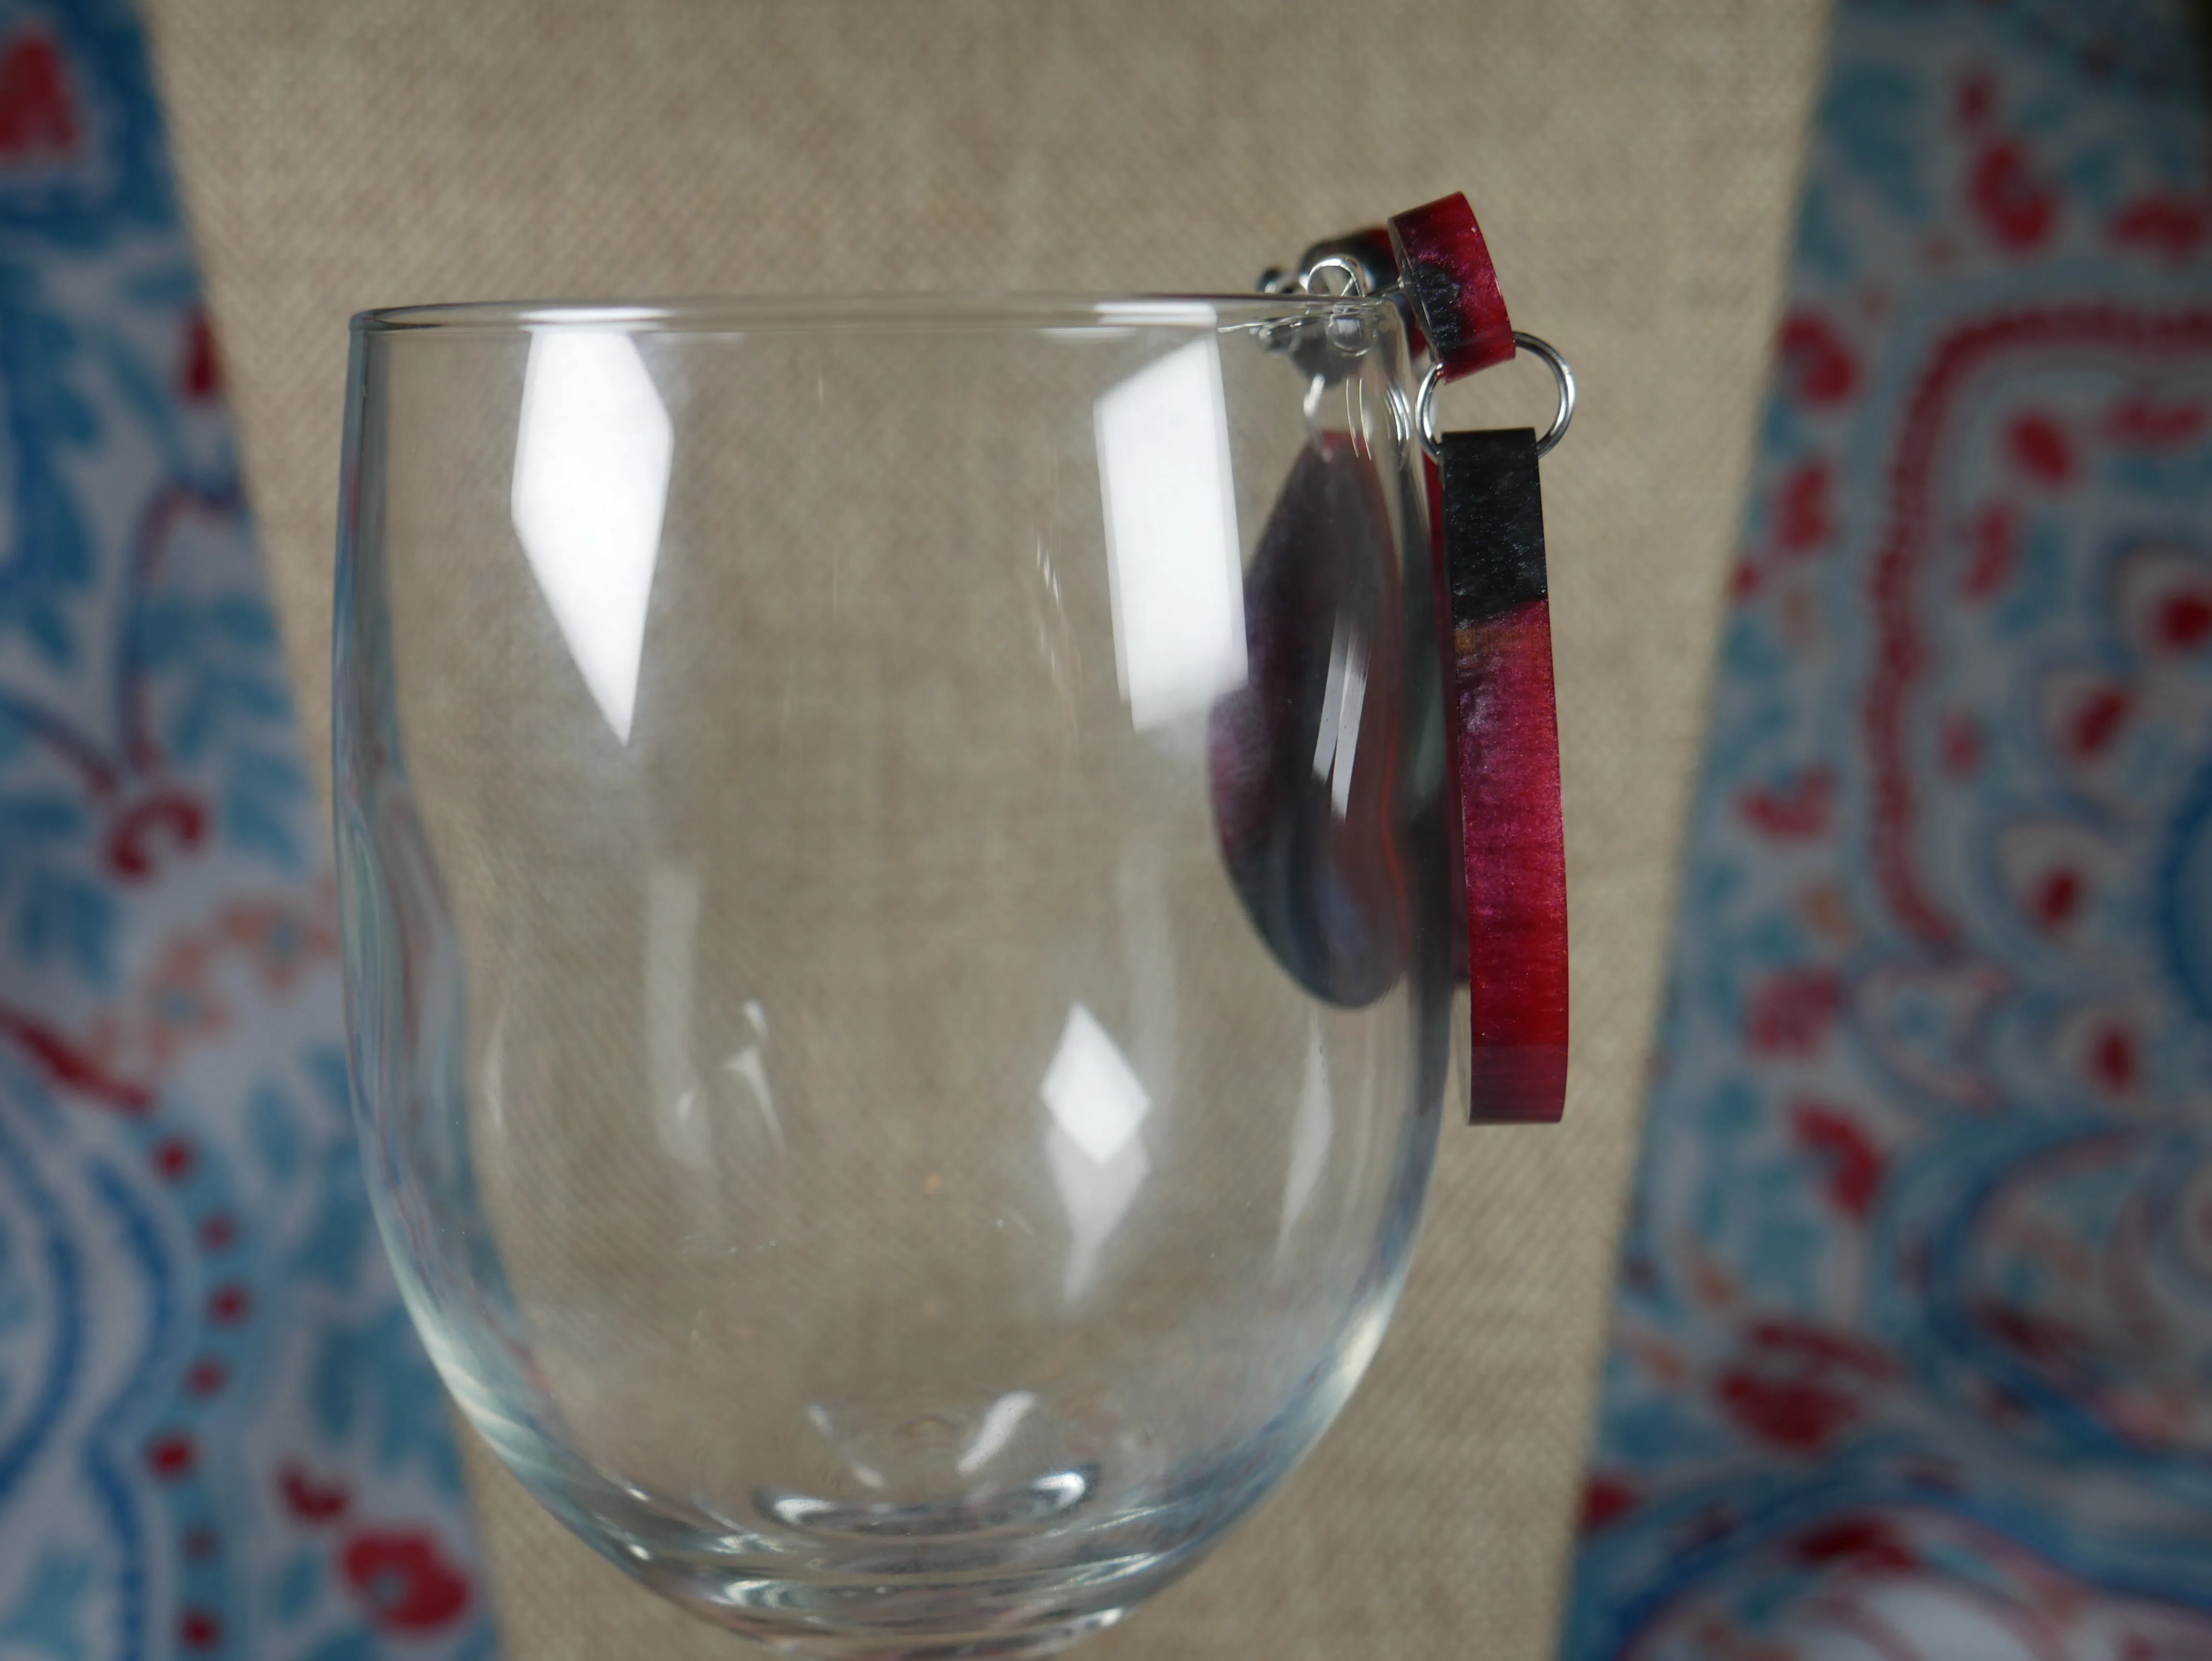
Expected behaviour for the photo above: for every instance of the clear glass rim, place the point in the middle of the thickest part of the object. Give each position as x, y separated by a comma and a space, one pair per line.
712, 314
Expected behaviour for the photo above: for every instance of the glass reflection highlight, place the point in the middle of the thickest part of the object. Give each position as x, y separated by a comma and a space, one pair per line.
1000, 1420
592, 457
1344, 694
1098, 1161
1309, 1138
1172, 562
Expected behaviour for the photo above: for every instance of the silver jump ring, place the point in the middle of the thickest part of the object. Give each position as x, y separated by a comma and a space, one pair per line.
1424, 402
1355, 280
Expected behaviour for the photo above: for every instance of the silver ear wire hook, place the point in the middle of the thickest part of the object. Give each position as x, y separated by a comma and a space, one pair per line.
1355, 280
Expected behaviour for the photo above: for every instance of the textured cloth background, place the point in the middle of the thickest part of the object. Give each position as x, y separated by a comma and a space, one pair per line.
218, 1435
1910, 1355
1633, 166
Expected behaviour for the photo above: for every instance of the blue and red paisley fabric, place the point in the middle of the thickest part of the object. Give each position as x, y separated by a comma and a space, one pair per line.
1913, 1352
218, 1433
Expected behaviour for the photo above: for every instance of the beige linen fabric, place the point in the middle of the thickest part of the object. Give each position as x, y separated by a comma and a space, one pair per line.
1633, 165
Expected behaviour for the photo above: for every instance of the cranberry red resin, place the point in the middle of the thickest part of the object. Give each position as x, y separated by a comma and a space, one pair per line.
1443, 261
1507, 758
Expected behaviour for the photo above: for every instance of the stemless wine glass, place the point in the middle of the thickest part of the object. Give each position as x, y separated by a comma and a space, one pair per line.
895, 897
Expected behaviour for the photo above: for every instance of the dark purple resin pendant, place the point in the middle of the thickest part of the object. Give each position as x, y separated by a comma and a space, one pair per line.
1302, 759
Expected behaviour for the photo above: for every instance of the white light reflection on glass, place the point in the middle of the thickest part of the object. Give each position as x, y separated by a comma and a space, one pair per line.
671, 936
591, 484
495, 1074
1098, 1161
1344, 695
1173, 567
1310, 1135
818, 1416
750, 1067
1000, 1419
1157, 313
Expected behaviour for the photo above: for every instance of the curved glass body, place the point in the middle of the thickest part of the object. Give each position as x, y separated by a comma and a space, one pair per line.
895, 887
